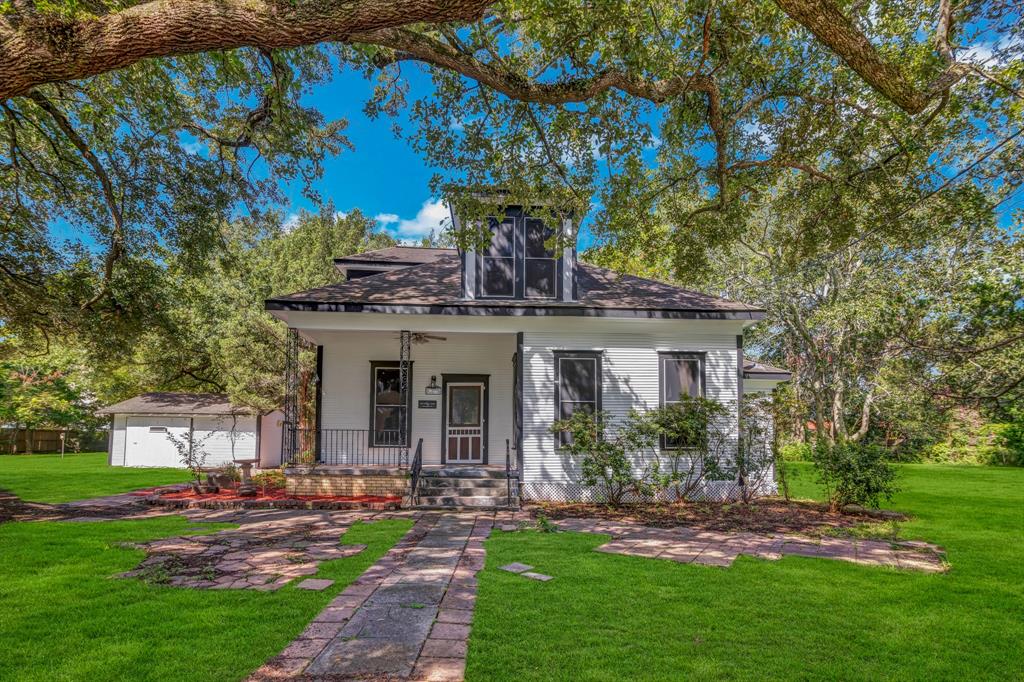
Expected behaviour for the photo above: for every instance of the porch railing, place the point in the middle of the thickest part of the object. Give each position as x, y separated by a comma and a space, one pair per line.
345, 447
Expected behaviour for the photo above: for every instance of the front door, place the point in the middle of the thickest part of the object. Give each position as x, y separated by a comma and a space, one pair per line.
464, 423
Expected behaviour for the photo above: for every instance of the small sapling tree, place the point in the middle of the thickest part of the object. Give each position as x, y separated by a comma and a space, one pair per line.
191, 453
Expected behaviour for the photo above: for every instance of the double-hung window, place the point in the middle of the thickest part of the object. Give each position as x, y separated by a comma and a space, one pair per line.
681, 374
539, 263
390, 416
577, 385
498, 262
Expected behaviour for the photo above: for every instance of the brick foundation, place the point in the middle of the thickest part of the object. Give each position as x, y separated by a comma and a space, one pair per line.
348, 481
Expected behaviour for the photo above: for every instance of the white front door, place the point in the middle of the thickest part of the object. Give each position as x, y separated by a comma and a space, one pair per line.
464, 423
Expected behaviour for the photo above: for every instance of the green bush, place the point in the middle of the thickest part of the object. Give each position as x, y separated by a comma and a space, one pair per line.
603, 453
853, 473
795, 452
1010, 437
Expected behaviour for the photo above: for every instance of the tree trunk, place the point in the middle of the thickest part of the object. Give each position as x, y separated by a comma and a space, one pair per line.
91, 45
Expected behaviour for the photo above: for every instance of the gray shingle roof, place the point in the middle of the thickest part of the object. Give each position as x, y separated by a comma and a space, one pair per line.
176, 403
753, 369
436, 287
398, 255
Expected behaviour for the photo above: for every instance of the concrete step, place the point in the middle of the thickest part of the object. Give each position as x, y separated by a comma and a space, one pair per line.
469, 491
464, 486
463, 472
467, 501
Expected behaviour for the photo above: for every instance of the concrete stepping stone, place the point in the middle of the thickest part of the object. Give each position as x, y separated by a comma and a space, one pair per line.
316, 584
516, 567
537, 576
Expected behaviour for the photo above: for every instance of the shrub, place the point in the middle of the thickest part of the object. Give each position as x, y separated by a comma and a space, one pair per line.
853, 473
269, 479
232, 472
1011, 437
602, 453
697, 433
795, 452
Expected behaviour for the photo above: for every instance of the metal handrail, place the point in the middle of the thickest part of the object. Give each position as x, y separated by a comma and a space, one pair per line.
414, 470
509, 475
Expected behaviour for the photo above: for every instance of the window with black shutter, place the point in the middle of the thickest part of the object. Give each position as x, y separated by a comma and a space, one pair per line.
577, 385
681, 374
388, 412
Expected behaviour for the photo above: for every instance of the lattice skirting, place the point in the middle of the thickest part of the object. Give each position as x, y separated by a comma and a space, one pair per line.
568, 491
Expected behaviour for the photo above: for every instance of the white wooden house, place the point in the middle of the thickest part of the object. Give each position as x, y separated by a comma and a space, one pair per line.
456, 363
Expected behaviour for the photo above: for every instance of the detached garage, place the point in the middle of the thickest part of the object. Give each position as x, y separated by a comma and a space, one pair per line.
143, 428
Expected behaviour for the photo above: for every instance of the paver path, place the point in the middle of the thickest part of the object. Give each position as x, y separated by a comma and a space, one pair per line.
406, 617
685, 545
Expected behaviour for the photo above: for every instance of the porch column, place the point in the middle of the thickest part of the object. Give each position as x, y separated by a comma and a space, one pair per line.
404, 356
289, 432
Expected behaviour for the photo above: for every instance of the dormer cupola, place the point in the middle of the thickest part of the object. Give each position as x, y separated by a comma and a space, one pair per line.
524, 260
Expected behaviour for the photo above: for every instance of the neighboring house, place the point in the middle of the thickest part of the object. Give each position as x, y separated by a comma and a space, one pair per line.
141, 425
457, 359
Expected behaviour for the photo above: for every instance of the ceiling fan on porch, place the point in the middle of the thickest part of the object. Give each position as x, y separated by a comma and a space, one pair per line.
423, 337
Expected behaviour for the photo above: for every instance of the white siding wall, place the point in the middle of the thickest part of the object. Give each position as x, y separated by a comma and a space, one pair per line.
133, 444
220, 443
346, 381
270, 439
117, 440
630, 380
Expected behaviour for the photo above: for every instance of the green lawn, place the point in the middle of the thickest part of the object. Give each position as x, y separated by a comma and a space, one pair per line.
607, 617
62, 616
48, 478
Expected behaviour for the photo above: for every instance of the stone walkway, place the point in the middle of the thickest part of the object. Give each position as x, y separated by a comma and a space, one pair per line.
408, 616
685, 545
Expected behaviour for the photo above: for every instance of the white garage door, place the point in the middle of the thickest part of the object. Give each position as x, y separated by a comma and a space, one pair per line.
147, 444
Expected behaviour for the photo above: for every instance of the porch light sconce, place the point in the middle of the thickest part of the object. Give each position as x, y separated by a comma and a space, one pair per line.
432, 388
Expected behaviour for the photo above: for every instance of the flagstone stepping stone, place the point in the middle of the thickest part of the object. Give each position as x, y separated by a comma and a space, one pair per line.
316, 584
260, 555
516, 567
537, 576
721, 549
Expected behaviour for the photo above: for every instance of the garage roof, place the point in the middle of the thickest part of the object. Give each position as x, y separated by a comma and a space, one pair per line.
176, 403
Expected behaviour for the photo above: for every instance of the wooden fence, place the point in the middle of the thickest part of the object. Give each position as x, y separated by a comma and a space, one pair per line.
14, 441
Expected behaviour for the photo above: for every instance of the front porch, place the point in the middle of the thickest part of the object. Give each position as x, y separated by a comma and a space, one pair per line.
394, 408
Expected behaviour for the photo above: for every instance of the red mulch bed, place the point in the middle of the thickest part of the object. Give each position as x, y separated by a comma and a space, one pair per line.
761, 516
274, 497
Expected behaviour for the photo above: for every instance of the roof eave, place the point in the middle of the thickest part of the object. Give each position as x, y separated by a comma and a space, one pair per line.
768, 376
280, 305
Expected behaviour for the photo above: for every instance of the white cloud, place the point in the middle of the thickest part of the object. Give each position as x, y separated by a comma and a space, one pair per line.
291, 221
991, 53
386, 218
430, 216
340, 215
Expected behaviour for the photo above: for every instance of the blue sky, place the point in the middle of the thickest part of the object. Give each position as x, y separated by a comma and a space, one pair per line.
383, 176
